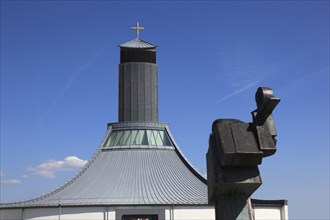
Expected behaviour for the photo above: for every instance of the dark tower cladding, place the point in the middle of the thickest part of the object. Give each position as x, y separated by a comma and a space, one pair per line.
138, 82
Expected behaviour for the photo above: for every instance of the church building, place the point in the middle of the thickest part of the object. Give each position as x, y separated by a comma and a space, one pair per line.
138, 172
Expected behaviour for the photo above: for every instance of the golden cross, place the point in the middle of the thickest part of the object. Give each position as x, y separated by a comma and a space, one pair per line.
137, 28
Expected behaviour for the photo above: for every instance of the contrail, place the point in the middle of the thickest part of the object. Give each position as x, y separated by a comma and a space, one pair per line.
73, 77
307, 78
237, 91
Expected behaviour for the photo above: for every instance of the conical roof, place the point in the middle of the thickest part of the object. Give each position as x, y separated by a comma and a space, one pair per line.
138, 43
136, 164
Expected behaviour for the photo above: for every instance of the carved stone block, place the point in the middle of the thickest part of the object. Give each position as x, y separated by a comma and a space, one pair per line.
236, 143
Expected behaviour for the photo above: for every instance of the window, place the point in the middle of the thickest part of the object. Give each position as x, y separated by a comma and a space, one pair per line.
135, 137
140, 214
140, 217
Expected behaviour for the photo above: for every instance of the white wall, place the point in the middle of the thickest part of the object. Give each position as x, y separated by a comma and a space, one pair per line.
194, 213
108, 213
6, 214
68, 213
271, 213
41, 214
82, 213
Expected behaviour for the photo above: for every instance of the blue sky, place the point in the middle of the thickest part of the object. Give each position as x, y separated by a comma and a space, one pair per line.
59, 74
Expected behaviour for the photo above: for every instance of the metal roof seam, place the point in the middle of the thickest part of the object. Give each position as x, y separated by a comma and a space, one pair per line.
177, 186
172, 189
155, 178
163, 177
181, 171
149, 181
183, 158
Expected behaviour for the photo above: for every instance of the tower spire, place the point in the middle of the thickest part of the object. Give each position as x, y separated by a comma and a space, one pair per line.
137, 28
138, 81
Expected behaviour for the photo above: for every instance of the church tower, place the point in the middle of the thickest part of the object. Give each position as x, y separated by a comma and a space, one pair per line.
138, 171
138, 81
138, 162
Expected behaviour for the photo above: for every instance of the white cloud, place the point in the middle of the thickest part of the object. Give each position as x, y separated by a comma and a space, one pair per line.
10, 181
13, 181
48, 168
73, 161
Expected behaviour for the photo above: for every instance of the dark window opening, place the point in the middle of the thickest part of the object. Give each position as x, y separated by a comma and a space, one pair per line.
140, 217
137, 55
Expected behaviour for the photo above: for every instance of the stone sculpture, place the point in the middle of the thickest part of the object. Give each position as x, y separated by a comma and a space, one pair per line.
235, 150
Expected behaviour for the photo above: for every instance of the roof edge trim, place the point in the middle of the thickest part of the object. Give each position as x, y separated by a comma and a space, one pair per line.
138, 43
184, 159
261, 202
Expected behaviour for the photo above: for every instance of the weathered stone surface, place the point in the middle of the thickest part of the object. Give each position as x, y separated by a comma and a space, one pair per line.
229, 180
236, 143
235, 150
